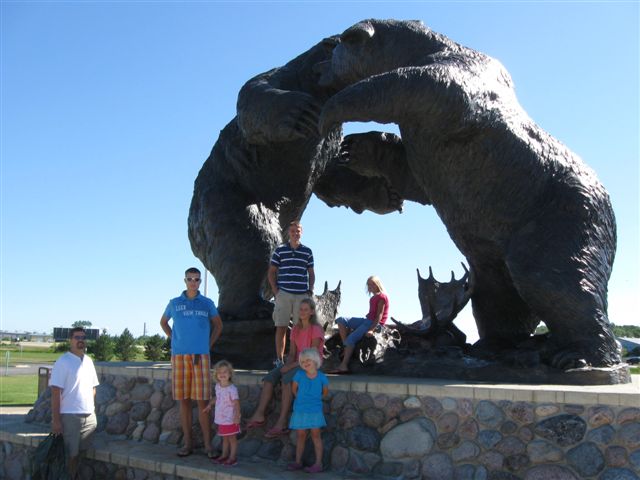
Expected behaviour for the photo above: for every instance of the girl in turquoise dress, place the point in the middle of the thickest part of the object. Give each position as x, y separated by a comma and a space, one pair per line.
309, 387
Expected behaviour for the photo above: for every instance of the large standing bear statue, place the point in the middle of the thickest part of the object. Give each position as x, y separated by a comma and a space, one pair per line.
260, 175
533, 221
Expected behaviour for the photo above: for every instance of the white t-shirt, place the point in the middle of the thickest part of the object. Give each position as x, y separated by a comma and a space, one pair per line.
76, 377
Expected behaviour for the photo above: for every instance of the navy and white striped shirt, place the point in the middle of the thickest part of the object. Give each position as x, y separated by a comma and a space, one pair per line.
293, 267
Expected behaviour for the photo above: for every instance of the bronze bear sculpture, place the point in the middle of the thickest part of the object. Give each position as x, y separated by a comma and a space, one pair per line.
533, 221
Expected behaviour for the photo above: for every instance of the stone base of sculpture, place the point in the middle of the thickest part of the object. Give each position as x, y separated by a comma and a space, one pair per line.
249, 344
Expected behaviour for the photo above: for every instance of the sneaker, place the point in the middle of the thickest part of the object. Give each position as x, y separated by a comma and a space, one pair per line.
278, 363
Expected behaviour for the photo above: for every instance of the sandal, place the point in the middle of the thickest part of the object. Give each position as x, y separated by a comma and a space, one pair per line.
211, 455
231, 462
185, 451
255, 424
219, 459
339, 372
313, 469
276, 432
294, 466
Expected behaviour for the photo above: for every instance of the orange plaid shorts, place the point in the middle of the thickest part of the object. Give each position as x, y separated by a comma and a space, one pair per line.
191, 377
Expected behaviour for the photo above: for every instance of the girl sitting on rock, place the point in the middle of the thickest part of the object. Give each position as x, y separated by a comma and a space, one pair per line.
354, 328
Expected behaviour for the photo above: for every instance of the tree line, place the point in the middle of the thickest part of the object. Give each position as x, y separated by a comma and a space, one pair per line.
125, 347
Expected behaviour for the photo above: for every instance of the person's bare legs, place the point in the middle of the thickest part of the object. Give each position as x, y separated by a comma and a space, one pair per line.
317, 445
344, 332
348, 353
186, 418
72, 466
285, 407
265, 397
205, 424
281, 342
225, 449
233, 447
300, 443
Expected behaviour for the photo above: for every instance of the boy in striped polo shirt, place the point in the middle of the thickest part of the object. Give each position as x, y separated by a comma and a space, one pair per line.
291, 278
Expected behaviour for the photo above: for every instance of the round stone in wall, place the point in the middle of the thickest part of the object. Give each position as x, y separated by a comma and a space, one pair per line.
489, 414
565, 430
437, 467
550, 472
408, 440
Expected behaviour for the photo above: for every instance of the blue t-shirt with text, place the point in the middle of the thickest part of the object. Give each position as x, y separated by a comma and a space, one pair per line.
191, 327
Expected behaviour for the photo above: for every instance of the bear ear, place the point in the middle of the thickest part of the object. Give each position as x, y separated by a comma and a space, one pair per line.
359, 33
329, 43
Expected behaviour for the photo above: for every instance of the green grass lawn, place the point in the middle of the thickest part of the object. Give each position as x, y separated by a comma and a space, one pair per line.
28, 355
41, 355
18, 390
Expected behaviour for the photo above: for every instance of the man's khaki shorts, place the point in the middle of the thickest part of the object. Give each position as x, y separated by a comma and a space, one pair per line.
287, 307
77, 432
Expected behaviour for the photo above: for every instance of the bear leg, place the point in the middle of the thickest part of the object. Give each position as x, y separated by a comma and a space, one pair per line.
560, 268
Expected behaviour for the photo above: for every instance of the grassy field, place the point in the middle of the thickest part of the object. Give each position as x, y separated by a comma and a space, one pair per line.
40, 355
18, 390
28, 355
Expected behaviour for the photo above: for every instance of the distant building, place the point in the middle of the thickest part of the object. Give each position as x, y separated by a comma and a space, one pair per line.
26, 336
13, 336
40, 337
629, 343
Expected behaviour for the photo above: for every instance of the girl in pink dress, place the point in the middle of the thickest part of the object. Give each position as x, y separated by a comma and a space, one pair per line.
227, 413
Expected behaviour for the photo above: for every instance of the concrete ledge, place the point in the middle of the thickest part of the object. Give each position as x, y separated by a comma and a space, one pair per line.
622, 395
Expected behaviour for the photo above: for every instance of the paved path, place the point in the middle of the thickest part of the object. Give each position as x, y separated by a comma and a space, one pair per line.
23, 369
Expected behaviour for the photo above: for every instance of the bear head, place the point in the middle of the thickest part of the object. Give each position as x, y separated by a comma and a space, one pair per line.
372, 47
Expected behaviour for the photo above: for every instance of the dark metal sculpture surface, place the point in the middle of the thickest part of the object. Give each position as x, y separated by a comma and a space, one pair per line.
534, 223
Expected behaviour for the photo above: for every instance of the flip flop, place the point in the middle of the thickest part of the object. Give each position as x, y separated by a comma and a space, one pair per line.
255, 424
184, 452
276, 432
292, 467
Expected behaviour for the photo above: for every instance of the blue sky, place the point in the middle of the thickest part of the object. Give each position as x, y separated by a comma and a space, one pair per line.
109, 109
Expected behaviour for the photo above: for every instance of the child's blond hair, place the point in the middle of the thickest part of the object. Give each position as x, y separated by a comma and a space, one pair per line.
223, 364
311, 354
376, 281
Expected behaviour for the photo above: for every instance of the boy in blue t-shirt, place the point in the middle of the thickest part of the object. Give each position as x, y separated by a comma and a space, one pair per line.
195, 329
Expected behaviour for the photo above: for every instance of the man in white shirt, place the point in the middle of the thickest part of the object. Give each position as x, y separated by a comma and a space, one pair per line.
73, 389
